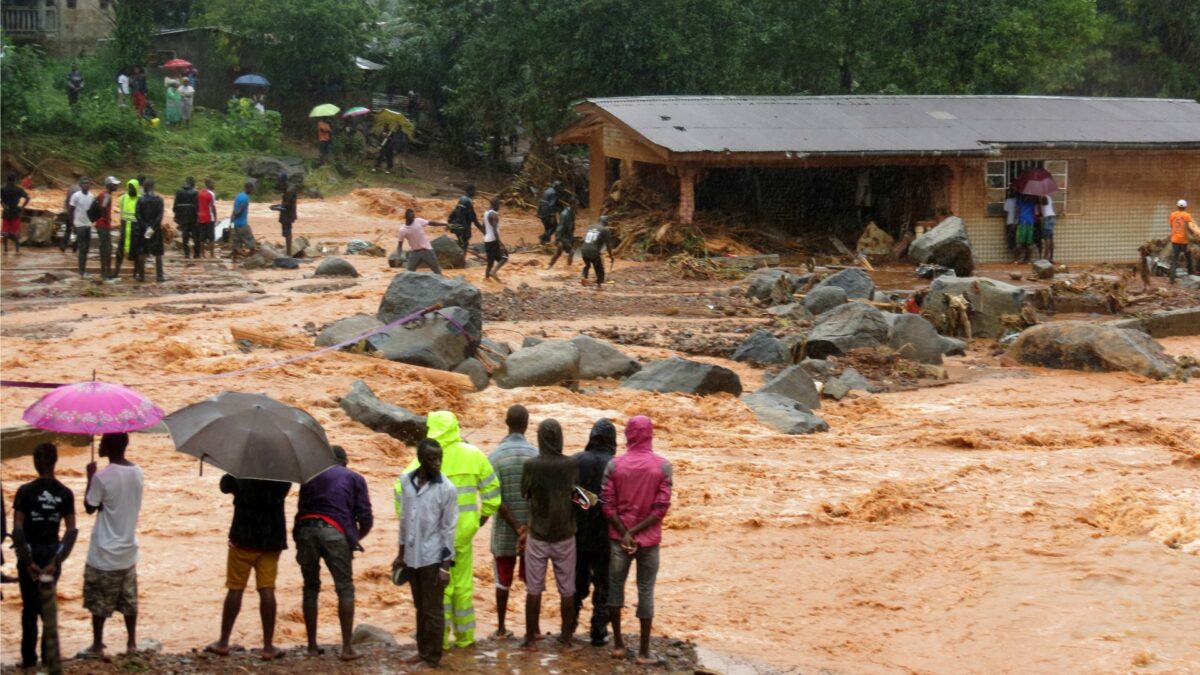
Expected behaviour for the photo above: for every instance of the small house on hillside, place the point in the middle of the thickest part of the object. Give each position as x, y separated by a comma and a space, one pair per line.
61, 27
829, 164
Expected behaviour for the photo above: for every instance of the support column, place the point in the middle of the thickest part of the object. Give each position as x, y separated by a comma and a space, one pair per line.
954, 188
687, 194
597, 184
628, 173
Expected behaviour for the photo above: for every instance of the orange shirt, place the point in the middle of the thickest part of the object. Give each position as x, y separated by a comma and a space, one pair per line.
1179, 224
324, 132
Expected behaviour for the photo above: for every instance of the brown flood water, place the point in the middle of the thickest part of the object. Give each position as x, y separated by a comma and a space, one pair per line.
1016, 520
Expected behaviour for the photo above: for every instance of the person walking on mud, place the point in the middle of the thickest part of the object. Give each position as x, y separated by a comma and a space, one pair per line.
187, 210
127, 207
591, 530
635, 499
429, 506
1181, 222
463, 218
149, 235
241, 236
564, 235
206, 217
333, 516
420, 251
82, 215
548, 210
104, 226
596, 241
509, 530
257, 537
287, 210
548, 482
492, 246
14, 199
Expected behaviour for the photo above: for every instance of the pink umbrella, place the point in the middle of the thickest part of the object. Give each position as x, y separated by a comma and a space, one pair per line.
93, 408
1036, 182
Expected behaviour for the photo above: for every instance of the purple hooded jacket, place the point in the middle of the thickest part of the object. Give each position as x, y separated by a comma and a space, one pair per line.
637, 484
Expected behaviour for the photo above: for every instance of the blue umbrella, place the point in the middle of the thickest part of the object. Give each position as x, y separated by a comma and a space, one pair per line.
252, 81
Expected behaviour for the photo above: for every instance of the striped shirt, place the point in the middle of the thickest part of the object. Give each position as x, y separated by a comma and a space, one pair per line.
508, 460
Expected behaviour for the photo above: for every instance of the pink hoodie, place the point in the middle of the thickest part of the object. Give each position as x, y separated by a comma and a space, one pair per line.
637, 484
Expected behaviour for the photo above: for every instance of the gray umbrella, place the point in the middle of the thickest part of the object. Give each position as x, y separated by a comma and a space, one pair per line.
252, 436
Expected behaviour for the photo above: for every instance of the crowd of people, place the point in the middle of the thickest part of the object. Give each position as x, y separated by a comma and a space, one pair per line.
592, 516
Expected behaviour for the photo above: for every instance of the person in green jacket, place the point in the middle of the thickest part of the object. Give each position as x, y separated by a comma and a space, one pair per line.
478, 499
128, 207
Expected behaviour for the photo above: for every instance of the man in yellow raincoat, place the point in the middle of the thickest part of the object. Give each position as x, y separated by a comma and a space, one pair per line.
478, 499
128, 207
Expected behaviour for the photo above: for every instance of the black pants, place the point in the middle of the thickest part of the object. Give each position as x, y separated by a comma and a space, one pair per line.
594, 262
463, 234
1178, 250
386, 156
548, 227
495, 254
106, 249
31, 607
591, 570
83, 244
190, 230
431, 622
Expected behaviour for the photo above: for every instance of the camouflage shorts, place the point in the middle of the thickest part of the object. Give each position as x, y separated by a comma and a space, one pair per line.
107, 591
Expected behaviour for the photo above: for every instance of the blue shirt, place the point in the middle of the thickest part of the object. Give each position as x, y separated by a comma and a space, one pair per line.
1025, 212
241, 210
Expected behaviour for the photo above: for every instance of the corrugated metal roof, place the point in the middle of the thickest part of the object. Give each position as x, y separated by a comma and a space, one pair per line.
899, 124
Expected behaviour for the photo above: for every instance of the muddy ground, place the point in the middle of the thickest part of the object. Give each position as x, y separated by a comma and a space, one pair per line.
1008, 519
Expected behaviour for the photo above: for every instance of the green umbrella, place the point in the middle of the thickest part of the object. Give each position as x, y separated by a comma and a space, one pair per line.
325, 110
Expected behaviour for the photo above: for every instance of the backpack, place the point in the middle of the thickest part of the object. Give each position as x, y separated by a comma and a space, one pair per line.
95, 210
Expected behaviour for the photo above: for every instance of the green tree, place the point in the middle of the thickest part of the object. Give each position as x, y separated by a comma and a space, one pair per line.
133, 30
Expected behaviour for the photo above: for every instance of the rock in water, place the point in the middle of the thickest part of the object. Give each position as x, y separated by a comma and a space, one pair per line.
1043, 269
795, 383
545, 364
990, 300
449, 255
366, 634
363, 407
823, 299
875, 241
364, 247
685, 376
847, 327
784, 414
432, 342
1078, 345
946, 245
344, 329
856, 282
599, 359
335, 267
761, 347
915, 339
411, 291
763, 282
474, 369
855, 381
835, 389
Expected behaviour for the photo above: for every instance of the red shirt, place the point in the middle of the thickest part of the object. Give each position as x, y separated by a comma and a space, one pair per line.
104, 222
207, 209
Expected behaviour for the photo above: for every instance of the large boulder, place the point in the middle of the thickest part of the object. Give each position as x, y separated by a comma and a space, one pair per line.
915, 339
345, 329
267, 169
364, 407
548, 363
449, 255
795, 383
874, 241
761, 347
824, 298
1170, 323
433, 341
784, 414
990, 300
335, 267
855, 281
685, 376
946, 245
599, 359
847, 327
412, 291
1078, 345
763, 282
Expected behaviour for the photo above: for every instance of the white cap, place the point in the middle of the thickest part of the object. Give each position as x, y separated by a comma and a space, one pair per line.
112, 180
1182, 203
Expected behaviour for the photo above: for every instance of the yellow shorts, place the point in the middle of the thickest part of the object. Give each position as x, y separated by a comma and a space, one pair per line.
237, 568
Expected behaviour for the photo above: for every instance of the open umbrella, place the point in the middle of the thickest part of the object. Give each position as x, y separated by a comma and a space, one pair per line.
391, 118
325, 110
356, 111
1036, 182
93, 408
177, 64
252, 436
252, 80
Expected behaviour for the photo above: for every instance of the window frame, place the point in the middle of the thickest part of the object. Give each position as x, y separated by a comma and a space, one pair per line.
994, 195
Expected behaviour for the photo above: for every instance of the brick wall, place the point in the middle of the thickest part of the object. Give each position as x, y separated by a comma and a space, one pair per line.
1116, 201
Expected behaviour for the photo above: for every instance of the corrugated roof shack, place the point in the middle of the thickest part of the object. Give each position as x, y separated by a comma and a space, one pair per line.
829, 164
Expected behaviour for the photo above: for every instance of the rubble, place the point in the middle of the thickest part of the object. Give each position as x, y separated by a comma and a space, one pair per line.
795, 383
990, 300
856, 282
685, 376
875, 241
335, 267
761, 347
946, 245
763, 282
784, 414
846, 327
1078, 345
364, 407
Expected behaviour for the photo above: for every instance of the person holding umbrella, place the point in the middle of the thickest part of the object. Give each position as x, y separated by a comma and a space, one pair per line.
387, 151
324, 139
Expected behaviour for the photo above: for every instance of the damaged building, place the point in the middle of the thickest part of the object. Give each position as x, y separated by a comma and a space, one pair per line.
814, 166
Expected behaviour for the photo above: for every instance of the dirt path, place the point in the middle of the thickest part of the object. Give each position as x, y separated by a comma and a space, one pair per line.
1018, 520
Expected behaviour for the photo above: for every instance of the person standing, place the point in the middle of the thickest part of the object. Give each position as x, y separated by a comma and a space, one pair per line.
429, 516
387, 151
74, 85
81, 208
591, 530
478, 493
564, 235
509, 530
1181, 222
186, 209
547, 210
127, 206
174, 103
187, 96
69, 217
463, 218
324, 139
1049, 220
139, 89
287, 209
149, 233
110, 575
492, 246
596, 240
333, 516
635, 498
122, 88
257, 537
14, 199
1026, 215
1010, 219
104, 226
420, 251
206, 218
41, 506
239, 219
548, 482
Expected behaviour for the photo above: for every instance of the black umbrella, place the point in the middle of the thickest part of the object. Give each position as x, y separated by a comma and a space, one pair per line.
252, 436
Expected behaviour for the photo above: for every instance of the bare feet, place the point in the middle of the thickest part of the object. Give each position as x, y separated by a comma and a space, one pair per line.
528, 646
93, 652
648, 660
218, 649
501, 634
619, 652
348, 654
314, 651
569, 646
271, 653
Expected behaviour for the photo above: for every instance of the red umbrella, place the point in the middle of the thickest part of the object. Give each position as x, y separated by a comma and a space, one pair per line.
174, 64
1036, 182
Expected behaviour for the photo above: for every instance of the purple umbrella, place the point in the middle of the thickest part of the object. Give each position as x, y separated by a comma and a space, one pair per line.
1037, 182
93, 408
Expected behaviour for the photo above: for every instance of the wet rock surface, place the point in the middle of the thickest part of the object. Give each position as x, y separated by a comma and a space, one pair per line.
361, 404
685, 376
1076, 345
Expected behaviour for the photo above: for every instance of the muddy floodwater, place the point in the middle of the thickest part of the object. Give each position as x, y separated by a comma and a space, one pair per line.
1009, 519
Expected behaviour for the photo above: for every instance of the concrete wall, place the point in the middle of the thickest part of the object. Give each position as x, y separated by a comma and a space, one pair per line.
80, 28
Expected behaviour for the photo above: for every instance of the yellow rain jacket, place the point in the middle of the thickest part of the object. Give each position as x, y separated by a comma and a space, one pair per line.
128, 206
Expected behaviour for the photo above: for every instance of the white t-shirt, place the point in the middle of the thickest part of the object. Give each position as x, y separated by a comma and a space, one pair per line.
117, 489
491, 220
187, 92
82, 201
1048, 208
1010, 211
123, 84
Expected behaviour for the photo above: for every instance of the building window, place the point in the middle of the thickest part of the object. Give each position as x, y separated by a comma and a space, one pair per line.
71, 4
998, 175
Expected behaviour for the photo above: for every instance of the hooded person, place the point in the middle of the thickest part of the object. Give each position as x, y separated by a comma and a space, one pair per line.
478, 499
127, 204
591, 530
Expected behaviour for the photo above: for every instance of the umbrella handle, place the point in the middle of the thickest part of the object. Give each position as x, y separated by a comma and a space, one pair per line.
202, 456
